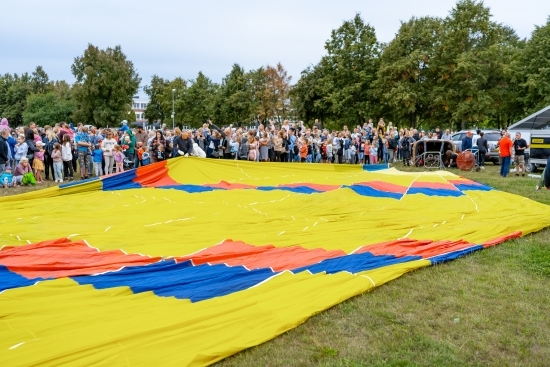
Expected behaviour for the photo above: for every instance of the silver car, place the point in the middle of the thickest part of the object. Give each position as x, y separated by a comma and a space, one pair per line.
492, 136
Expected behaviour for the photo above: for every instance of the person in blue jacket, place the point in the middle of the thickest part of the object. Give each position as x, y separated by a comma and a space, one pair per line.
467, 141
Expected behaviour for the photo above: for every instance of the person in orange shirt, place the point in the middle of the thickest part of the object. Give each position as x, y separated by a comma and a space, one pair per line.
303, 150
505, 146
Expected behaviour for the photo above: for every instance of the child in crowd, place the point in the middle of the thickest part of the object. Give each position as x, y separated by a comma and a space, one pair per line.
309, 157
38, 162
119, 158
145, 157
353, 152
67, 157
361, 152
57, 163
367, 152
303, 150
373, 152
234, 147
329, 151
20, 149
6, 178
97, 156
139, 154
160, 153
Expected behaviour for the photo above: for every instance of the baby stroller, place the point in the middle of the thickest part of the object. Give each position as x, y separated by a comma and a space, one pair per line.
127, 164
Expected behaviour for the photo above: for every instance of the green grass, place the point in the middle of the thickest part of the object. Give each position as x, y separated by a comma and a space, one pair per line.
491, 308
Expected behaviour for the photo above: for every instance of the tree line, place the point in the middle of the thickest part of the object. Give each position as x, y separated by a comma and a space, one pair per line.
460, 71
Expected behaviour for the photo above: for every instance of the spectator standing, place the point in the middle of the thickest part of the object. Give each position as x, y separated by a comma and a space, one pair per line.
57, 163
31, 146
4, 148
21, 149
108, 146
67, 158
483, 148
519, 158
82, 142
506, 145
467, 142
49, 140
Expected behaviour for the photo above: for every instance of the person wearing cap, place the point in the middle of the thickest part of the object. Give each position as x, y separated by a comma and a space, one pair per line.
124, 126
6, 178
467, 141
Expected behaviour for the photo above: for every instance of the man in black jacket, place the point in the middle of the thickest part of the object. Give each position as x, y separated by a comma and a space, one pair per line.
183, 144
4, 149
483, 148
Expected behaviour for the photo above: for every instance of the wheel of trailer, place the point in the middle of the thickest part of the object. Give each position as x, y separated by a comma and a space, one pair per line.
531, 167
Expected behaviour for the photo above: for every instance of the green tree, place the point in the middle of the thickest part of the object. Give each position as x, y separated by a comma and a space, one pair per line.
465, 57
156, 109
234, 101
405, 78
40, 81
48, 108
341, 86
181, 108
307, 95
105, 84
199, 99
14, 90
535, 69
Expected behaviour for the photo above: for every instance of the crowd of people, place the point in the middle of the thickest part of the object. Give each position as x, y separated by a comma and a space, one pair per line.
32, 154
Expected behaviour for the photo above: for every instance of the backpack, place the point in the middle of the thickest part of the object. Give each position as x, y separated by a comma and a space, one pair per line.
391, 143
404, 143
28, 179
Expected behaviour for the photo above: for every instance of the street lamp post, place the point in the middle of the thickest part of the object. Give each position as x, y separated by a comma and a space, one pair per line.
173, 125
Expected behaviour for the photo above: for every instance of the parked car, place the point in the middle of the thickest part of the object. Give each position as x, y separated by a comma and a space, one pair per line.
492, 136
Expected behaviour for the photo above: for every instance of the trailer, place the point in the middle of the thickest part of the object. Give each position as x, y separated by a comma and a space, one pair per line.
535, 129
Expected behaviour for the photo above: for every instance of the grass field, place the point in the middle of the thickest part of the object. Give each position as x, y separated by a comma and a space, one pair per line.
491, 308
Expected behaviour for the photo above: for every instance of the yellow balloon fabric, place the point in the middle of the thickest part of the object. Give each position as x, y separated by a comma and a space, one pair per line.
189, 261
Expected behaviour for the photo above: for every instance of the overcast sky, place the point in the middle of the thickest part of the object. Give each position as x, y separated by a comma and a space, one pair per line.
181, 38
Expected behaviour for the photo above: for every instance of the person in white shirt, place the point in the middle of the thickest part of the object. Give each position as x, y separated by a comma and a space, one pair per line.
107, 146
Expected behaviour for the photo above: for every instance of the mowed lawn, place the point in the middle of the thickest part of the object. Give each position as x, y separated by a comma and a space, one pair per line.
491, 308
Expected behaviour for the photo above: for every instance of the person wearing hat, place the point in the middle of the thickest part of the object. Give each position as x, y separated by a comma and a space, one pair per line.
124, 126
6, 178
